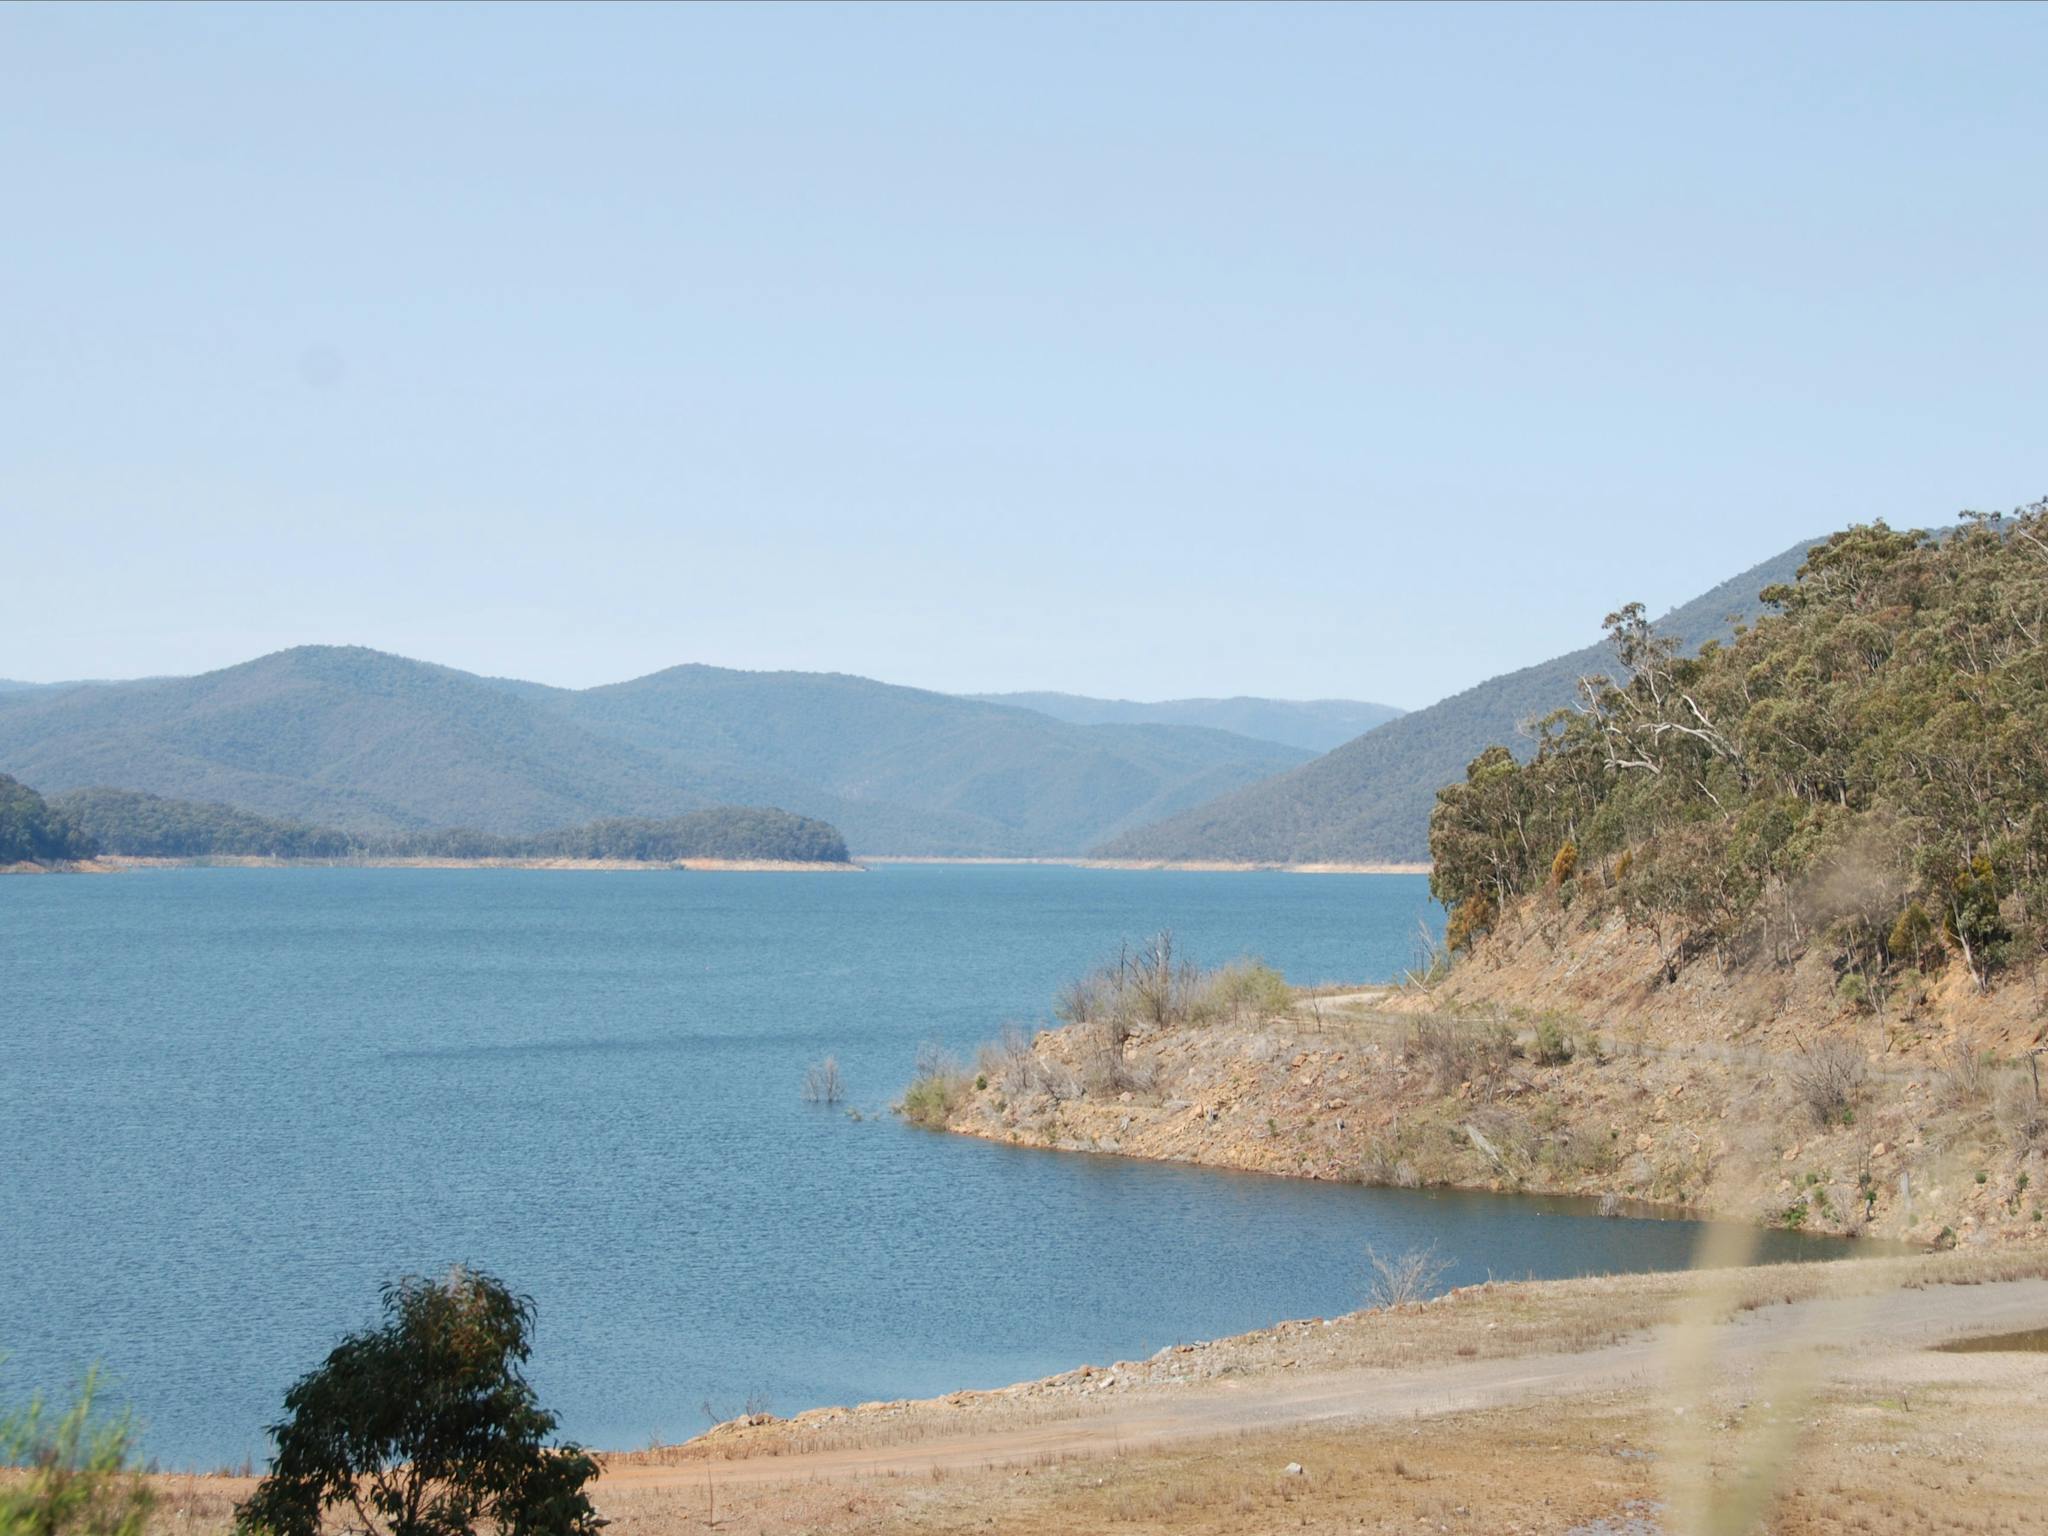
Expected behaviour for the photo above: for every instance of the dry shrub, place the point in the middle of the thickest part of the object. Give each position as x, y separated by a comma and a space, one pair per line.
1451, 1052
1106, 1066
1828, 1077
1383, 1163
1148, 987
2017, 1107
821, 1082
1011, 1064
1965, 1074
1397, 1280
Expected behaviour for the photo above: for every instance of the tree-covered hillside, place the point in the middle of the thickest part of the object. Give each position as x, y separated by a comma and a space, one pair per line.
1865, 769
373, 744
1314, 725
128, 822
1370, 799
32, 831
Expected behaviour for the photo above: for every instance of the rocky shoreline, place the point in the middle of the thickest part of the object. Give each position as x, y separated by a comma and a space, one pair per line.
1382, 1087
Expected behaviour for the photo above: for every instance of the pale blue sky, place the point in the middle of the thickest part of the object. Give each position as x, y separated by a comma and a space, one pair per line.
1148, 351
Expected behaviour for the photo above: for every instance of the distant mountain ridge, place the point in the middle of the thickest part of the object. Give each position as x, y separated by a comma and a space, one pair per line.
1314, 725
1369, 800
367, 742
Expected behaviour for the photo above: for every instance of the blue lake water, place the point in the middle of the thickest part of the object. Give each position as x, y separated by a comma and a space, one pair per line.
234, 1101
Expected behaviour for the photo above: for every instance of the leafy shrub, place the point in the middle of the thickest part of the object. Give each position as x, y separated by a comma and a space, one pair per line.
78, 1477
1971, 917
937, 1090
1553, 1046
1471, 920
425, 1426
1247, 989
929, 1102
1914, 938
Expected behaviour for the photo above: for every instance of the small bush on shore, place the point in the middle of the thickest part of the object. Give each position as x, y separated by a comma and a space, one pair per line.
938, 1087
1152, 987
1399, 1279
929, 1102
1250, 990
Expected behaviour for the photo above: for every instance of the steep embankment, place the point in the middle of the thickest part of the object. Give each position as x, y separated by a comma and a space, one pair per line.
1803, 1120
1369, 800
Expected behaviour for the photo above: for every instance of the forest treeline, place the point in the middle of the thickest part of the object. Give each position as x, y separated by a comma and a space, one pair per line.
1865, 768
85, 822
34, 832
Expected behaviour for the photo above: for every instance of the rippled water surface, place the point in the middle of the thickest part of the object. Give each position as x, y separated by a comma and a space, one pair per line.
233, 1101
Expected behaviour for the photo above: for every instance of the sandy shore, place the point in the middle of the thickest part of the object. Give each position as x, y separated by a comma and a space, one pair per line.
1211, 866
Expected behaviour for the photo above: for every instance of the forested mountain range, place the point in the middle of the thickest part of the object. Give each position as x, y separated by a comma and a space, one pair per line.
370, 743
1370, 799
1315, 725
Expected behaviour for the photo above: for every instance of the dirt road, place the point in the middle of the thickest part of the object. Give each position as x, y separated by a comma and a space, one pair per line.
1899, 1319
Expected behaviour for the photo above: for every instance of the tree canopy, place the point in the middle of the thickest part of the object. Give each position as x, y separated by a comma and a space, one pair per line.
1866, 767
425, 1426
128, 822
34, 832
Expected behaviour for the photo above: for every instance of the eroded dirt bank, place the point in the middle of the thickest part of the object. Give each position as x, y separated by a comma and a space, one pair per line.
1925, 1127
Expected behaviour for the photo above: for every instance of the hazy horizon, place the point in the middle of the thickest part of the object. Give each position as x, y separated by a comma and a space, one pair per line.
1141, 353
985, 694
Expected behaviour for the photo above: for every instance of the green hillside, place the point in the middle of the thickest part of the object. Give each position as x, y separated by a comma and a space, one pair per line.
126, 821
1370, 799
1314, 725
123, 821
32, 831
373, 744
1863, 769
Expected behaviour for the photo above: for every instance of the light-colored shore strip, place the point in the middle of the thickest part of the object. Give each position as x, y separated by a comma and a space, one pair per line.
1200, 866
1918, 1318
